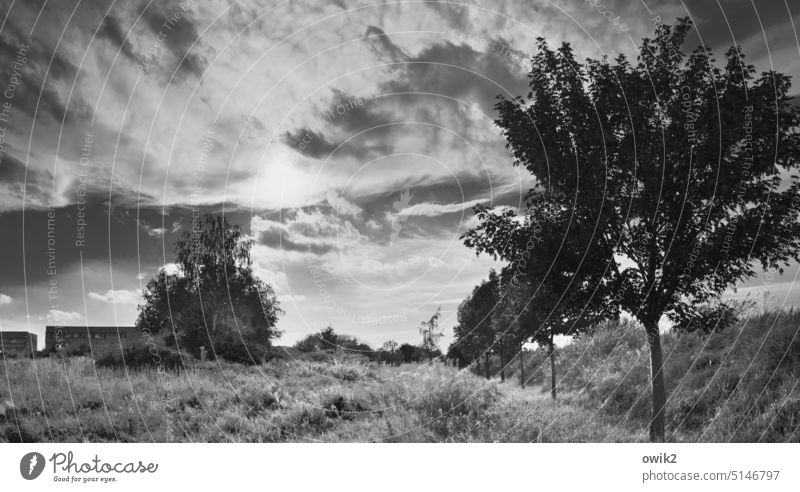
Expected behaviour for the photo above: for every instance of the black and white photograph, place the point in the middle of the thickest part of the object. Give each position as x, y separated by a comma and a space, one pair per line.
538, 222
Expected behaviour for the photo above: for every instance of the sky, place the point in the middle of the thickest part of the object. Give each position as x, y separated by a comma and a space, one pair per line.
349, 139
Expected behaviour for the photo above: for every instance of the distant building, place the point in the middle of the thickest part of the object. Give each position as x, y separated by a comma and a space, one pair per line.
17, 342
83, 339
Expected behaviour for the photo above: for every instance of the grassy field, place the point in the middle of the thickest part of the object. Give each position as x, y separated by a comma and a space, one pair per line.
737, 385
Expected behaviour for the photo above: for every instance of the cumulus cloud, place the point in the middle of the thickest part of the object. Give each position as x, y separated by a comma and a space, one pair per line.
59, 317
171, 269
316, 231
5, 300
119, 296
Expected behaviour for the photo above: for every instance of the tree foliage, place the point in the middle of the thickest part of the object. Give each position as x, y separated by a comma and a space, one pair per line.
214, 299
673, 174
430, 332
474, 334
328, 339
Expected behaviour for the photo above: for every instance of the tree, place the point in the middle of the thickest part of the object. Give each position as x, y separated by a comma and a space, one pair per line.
474, 335
709, 318
328, 339
389, 352
389, 346
410, 353
431, 334
554, 283
536, 304
510, 330
682, 168
213, 299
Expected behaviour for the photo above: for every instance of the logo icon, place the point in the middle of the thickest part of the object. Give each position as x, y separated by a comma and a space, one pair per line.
31, 466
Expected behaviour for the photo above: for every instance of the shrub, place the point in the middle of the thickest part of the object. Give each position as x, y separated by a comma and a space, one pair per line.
258, 399
141, 356
343, 403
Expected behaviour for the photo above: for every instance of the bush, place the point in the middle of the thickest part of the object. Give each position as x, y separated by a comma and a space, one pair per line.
230, 347
258, 399
343, 403
141, 356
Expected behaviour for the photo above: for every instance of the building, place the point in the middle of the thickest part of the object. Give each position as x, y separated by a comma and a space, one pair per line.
17, 342
86, 339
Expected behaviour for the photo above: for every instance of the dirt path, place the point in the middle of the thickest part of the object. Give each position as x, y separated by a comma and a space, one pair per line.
531, 393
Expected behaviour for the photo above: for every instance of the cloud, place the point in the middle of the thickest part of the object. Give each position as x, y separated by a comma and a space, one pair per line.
15, 183
171, 23
382, 46
462, 73
342, 118
435, 209
316, 232
171, 269
309, 142
159, 232
289, 298
341, 205
5, 300
120, 296
110, 29
58, 317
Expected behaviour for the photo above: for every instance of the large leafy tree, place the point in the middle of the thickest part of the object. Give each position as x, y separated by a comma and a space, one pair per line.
682, 166
474, 334
213, 300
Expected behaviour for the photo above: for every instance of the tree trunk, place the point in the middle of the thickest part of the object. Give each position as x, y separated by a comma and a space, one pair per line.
552, 368
521, 367
502, 364
657, 426
486, 364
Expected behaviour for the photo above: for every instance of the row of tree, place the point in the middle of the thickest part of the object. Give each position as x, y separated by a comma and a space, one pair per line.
660, 184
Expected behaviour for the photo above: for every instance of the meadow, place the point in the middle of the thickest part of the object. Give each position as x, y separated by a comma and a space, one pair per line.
738, 384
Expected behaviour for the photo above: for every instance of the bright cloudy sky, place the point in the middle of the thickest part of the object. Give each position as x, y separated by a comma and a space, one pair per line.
350, 139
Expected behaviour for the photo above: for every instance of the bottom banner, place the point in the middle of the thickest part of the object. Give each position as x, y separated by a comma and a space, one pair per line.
333, 467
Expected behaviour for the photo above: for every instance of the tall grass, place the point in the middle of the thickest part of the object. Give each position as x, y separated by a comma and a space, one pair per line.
740, 384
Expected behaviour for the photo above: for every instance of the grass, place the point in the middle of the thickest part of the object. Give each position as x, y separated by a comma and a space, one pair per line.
737, 385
